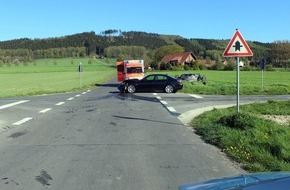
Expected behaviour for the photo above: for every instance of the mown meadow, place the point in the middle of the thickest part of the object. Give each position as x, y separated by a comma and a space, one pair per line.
49, 76
250, 82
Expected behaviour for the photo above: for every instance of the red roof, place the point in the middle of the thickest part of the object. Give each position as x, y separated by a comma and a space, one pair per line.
180, 57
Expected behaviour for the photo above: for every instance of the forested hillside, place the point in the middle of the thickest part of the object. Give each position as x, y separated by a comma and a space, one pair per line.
144, 44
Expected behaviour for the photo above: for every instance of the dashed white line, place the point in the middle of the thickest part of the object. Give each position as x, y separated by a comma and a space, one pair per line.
171, 109
45, 110
163, 102
22, 121
195, 96
59, 103
158, 97
84, 92
70, 98
13, 104
78, 95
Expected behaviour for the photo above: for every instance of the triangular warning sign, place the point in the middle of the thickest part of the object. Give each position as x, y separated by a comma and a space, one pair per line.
237, 47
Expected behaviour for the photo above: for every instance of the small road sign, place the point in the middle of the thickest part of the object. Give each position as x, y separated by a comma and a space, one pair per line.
237, 47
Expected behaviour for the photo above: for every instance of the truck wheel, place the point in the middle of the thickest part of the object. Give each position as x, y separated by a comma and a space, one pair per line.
169, 88
131, 88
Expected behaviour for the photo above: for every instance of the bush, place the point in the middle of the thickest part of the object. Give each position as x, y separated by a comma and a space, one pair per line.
202, 67
240, 121
247, 68
218, 66
269, 68
231, 66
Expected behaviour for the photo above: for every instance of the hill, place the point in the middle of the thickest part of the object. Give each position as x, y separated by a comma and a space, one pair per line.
89, 43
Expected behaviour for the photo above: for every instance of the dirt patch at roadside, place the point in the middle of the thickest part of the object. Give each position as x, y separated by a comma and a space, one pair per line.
281, 119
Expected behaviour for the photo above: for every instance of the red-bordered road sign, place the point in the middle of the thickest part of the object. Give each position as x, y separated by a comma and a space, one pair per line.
238, 47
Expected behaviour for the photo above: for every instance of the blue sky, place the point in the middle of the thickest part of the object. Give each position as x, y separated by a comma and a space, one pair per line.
257, 20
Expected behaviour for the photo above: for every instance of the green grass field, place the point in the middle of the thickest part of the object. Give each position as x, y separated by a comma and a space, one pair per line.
250, 83
60, 75
54, 76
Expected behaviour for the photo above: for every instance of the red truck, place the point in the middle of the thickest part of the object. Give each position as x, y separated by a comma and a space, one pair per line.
130, 69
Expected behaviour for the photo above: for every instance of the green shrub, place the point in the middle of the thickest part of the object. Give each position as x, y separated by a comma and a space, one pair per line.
242, 121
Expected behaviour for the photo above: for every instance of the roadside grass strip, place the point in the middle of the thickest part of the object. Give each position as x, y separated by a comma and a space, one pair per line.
13, 104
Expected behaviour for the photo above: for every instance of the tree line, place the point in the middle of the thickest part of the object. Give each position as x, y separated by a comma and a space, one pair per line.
135, 45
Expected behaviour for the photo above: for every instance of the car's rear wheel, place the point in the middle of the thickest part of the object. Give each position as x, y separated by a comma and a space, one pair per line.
131, 88
169, 89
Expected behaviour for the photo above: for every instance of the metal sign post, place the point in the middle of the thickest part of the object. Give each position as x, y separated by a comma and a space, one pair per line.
262, 65
237, 47
80, 70
238, 83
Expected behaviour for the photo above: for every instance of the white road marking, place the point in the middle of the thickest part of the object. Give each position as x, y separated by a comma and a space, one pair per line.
13, 104
171, 109
158, 97
22, 121
195, 96
163, 102
84, 92
59, 103
155, 94
78, 95
88, 90
70, 99
45, 110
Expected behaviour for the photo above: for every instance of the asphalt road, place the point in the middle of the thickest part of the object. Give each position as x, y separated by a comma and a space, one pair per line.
103, 139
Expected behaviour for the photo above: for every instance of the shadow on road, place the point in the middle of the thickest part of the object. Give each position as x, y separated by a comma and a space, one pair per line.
108, 85
142, 119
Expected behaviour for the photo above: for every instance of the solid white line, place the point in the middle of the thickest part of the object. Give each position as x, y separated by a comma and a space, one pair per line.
45, 110
163, 102
59, 103
70, 99
171, 109
13, 104
195, 96
22, 121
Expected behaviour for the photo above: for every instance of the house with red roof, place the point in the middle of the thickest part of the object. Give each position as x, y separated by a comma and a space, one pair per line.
179, 58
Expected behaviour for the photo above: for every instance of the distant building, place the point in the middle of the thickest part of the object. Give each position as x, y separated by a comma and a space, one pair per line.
179, 58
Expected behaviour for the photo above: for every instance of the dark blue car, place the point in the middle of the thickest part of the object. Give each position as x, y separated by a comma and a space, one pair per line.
152, 82
254, 181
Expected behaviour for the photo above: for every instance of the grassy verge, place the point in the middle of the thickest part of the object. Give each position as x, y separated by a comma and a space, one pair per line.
259, 144
53, 76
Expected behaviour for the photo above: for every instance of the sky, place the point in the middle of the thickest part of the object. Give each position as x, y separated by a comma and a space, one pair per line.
257, 20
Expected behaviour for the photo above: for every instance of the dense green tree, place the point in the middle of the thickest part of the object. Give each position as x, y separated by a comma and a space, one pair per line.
168, 49
280, 53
